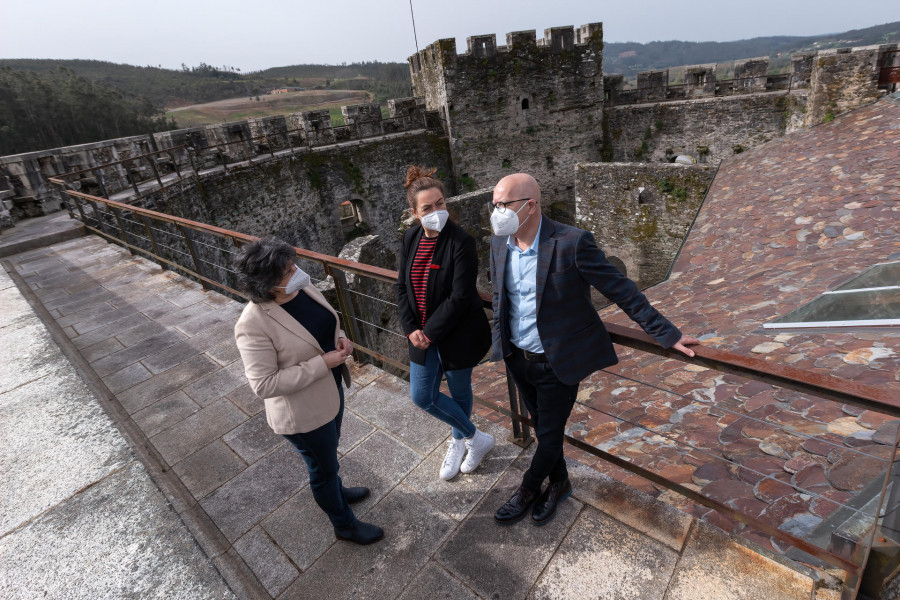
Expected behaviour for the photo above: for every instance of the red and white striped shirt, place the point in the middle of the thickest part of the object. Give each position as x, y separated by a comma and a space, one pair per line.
418, 275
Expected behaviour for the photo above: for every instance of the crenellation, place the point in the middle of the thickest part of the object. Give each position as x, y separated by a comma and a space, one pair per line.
652, 85
560, 39
482, 46
584, 33
516, 40
700, 80
365, 119
750, 75
269, 133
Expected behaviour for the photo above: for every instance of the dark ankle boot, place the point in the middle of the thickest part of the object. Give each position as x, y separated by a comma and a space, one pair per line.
545, 506
354, 494
360, 533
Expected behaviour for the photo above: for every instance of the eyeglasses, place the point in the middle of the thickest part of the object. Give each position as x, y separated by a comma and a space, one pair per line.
502, 206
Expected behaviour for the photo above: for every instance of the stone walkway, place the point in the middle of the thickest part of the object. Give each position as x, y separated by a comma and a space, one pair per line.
161, 349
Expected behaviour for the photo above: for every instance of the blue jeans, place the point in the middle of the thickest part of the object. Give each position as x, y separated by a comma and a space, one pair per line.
319, 450
425, 386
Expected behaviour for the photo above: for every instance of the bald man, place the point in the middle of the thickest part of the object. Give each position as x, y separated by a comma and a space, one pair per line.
548, 331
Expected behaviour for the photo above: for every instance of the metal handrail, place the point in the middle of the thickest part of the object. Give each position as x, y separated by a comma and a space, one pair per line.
817, 384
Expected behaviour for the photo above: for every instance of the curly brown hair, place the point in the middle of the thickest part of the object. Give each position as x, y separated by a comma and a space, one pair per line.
419, 179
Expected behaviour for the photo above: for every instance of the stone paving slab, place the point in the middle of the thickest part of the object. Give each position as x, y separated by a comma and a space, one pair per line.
459, 496
414, 530
714, 567
386, 403
602, 558
117, 539
515, 555
202, 419
79, 516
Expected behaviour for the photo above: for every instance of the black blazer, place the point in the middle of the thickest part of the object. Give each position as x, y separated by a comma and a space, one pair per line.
573, 336
455, 315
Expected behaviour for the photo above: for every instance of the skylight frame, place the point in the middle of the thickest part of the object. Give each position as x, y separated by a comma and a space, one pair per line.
891, 322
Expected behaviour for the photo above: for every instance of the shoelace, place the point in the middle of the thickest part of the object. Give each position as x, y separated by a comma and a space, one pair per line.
450, 457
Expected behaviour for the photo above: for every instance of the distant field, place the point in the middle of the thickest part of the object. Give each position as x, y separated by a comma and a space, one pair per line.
238, 109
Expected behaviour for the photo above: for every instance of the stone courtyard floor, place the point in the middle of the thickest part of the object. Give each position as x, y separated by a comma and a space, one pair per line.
134, 452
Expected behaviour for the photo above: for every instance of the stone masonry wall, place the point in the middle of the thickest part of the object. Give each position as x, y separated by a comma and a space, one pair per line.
709, 130
640, 213
298, 197
526, 106
842, 80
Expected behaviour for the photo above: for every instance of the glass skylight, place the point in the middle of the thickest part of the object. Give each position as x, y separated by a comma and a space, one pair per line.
872, 298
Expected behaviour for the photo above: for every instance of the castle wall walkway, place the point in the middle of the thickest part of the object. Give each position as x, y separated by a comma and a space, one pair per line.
166, 380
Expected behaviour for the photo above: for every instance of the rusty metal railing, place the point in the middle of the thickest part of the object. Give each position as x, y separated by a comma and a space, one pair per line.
204, 252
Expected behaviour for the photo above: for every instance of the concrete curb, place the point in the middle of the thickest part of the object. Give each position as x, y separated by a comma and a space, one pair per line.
44, 240
229, 563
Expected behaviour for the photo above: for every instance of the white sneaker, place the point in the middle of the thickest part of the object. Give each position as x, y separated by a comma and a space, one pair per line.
453, 459
478, 445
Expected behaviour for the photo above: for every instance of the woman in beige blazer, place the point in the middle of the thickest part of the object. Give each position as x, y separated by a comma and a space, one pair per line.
294, 356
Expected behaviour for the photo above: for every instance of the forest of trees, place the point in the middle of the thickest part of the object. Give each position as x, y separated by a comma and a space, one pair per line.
60, 108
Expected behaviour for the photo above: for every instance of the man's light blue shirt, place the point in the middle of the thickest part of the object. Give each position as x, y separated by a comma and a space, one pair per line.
520, 281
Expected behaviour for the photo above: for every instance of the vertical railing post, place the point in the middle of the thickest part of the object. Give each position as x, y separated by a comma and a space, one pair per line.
346, 306
153, 168
152, 239
191, 152
521, 433
98, 173
80, 208
118, 215
99, 219
130, 178
185, 232
174, 164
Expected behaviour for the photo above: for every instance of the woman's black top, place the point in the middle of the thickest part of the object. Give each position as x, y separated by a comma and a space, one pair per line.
317, 320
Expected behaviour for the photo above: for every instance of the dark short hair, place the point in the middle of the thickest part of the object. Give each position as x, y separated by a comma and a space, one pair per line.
260, 266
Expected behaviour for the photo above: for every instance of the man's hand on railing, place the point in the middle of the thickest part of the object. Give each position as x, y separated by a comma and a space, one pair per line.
685, 341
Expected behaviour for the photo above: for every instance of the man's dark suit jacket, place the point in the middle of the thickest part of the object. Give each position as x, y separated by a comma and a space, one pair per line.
573, 336
455, 314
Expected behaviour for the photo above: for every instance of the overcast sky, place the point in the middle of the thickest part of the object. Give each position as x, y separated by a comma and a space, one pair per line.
253, 35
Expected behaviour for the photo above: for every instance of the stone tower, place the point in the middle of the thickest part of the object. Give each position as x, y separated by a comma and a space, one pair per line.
531, 105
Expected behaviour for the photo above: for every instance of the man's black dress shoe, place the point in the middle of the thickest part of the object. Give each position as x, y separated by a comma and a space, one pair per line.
545, 507
516, 507
354, 494
360, 533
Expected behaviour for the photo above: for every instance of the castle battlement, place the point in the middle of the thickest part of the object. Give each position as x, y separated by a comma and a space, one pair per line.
751, 75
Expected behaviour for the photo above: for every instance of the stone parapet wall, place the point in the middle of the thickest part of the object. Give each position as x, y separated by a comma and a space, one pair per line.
856, 70
27, 173
640, 213
211, 146
299, 197
708, 130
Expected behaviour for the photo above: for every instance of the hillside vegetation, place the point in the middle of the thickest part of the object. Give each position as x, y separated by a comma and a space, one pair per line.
629, 58
48, 103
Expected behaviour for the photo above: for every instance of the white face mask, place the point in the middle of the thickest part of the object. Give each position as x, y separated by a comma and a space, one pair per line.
507, 223
298, 281
435, 220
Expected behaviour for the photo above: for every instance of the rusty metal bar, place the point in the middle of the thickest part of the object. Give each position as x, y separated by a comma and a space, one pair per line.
346, 305
817, 384
156, 254
116, 211
98, 217
153, 168
190, 244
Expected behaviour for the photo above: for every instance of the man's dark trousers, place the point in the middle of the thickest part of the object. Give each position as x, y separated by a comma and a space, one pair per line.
549, 402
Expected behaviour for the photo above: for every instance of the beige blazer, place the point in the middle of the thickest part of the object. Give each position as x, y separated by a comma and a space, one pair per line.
284, 365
